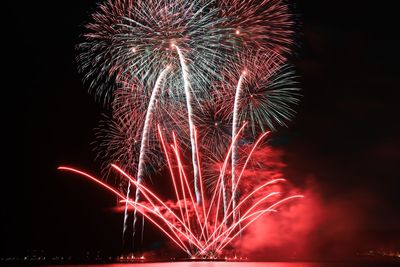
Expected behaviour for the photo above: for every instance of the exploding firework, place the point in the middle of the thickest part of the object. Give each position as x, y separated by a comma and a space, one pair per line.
171, 68
140, 38
262, 89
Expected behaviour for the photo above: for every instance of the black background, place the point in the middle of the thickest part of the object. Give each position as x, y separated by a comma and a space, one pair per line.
346, 133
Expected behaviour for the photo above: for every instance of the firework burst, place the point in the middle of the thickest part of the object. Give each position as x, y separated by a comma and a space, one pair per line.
268, 91
139, 39
211, 69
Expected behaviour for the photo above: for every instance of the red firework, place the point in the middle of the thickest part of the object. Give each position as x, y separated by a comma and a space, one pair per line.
201, 230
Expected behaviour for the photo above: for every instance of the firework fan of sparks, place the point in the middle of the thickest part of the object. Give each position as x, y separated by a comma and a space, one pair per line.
213, 73
199, 230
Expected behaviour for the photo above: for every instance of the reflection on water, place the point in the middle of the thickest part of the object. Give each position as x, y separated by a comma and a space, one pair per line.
244, 264
209, 264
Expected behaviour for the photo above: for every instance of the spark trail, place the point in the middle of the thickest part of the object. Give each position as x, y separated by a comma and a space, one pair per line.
143, 144
188, 96
235, 123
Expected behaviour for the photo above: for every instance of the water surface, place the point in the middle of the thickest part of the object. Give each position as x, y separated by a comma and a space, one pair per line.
244, 264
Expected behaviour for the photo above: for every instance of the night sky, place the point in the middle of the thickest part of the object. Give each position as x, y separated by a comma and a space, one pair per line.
345, 137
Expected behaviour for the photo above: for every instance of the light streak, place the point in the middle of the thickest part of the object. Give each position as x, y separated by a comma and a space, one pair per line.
146, 191
143, 144
98, 181
188, 95
184, 176
223, 169
238, 94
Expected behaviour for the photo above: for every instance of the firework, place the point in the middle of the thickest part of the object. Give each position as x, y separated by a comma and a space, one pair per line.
96, 60
188, 96
146, 126
187, 66
138, 38
214, 126
119, 135
127, 137
131, 103
199, 230
238, 94
118, 141
253, 74
268, 91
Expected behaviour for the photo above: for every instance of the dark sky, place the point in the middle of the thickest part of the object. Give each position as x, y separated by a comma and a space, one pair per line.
346, 134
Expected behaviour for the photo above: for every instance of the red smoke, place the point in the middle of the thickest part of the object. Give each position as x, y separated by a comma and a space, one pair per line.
315, 227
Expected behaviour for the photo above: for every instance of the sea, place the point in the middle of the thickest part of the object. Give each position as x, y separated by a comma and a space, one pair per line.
245, 264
